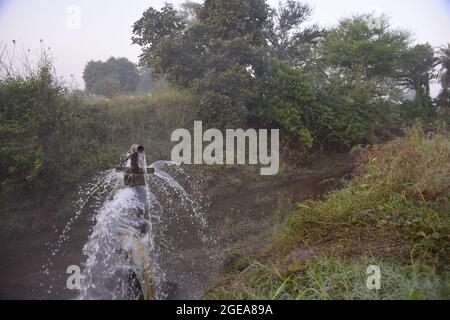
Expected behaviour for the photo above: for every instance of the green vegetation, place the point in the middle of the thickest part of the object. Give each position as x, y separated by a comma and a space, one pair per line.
50, 137
248, 64
115, 76
401, 190
53, 140
443, 61
240, 63
332, 278
252, 65
394, 213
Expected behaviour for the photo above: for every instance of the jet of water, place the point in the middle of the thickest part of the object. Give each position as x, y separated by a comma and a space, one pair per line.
147, 242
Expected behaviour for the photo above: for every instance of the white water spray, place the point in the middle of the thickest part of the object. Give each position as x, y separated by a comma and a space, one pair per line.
148, 242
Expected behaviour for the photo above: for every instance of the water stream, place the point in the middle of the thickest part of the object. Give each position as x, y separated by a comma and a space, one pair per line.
147, 242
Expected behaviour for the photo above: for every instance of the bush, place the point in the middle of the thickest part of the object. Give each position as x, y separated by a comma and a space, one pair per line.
25, 123
338, 112
225, 97
289, 105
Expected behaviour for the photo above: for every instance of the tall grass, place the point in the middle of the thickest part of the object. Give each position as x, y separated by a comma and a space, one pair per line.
394, 213
397, 203
331, 278
148, 120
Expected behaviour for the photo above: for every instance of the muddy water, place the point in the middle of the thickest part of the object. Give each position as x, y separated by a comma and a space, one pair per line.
246, 217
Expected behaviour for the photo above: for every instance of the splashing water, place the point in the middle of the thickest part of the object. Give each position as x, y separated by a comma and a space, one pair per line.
91, 196
148, 242
117, 248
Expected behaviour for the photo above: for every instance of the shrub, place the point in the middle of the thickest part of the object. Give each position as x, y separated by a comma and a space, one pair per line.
289, 105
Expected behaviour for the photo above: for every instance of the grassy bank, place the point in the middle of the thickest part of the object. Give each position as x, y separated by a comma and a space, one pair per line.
54, 141
331, 278
395, 213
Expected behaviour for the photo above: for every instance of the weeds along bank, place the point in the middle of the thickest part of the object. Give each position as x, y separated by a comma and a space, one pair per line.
395, 213
52, 141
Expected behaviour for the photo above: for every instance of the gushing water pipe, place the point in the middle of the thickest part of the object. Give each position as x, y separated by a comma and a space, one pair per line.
134, 175
135, 150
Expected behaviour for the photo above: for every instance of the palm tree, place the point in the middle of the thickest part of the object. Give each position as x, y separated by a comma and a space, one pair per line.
443, 61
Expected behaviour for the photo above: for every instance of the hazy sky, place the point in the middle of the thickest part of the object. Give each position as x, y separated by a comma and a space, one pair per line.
105, 25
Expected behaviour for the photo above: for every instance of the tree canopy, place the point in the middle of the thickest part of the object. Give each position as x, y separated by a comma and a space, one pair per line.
112, 77
443, 62
256, 65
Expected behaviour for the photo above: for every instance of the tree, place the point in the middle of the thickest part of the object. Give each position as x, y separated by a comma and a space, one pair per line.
153, 30
190, 11
235, 59
290, 104
113, 77
367, 45
107, 86
145, 85
417, 67
360, 60
443, 61
285, 33
226, 41
415, 73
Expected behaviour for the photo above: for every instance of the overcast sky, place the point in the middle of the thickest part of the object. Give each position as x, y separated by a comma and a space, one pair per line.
105, 25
